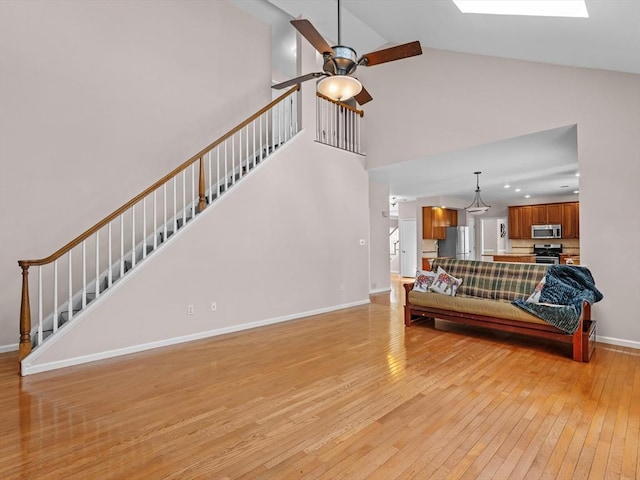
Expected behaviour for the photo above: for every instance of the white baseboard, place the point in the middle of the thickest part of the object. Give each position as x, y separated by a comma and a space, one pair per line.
8, 348
28, 369
617, 341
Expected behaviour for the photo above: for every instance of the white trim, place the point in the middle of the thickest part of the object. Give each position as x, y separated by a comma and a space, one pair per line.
28, 369
617, 341
8, 348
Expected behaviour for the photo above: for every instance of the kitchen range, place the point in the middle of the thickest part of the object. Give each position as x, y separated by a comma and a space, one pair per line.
547, 253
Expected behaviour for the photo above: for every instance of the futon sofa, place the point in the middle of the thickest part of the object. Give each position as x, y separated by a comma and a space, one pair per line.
485, 297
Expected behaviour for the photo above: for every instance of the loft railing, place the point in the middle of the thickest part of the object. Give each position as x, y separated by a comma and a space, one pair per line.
338, 124
104, 253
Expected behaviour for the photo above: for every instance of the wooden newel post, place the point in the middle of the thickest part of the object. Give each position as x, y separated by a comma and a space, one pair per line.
25, 315
202, 203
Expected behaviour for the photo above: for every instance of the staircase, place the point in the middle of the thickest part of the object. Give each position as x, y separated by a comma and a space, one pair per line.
75, 276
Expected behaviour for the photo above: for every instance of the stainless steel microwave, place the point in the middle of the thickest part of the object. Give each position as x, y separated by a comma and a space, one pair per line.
546, 231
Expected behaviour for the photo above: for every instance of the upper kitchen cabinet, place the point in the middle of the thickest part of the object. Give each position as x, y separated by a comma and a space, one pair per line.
520, 221
549, 214
435, 220
570, 220
565, 214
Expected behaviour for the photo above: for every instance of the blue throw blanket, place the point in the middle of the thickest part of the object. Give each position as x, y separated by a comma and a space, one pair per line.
566, 286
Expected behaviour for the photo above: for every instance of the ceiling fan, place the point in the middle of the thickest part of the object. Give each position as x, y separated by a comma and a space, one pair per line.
340, 63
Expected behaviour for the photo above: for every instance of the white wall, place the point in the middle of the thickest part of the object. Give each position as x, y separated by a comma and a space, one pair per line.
379, 244
99, 100
449, 101
284, 243
264, 253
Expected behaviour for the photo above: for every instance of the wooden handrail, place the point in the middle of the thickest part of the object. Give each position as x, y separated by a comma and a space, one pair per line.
140, 196
342, 104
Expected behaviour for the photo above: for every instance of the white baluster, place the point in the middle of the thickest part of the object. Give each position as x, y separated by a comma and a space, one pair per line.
194, 196
253, 148
121, 245
319, 119
239, 154
55, 295
260, 137
266, 134
144, 227
84, 274
175, 215
155, 219
218, 171
97, 282
164, 206
133, 237
358, 133
184, 198
40, 334
278, 106
70, 302
210, 178
233, 159
246, 138
294, 108
225, 166
110, 260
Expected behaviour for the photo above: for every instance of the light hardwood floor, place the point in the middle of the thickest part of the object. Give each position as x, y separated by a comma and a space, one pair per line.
346, 395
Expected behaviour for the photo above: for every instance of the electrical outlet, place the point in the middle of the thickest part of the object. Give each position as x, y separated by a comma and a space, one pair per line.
189, 309
214, 306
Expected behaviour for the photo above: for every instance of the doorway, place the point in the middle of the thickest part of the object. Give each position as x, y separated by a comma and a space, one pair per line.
408, 247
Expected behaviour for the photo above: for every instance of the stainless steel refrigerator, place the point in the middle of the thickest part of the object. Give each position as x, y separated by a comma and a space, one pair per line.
456, 244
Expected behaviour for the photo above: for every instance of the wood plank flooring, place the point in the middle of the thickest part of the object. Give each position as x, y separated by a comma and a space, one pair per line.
346, 395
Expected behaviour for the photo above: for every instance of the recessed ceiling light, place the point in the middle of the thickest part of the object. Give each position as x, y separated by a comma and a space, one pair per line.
555, 8
518, 189
507, 186
564, 186
576, 191
527, 196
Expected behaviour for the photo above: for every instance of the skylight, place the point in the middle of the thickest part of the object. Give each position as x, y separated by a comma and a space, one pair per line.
539, 8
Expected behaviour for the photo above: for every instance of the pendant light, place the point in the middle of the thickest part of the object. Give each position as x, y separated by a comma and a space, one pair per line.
477, 207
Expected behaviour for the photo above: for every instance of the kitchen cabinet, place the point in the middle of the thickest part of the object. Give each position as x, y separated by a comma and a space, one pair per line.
565, 214
570, 220
520, 221
549, 214
435, 220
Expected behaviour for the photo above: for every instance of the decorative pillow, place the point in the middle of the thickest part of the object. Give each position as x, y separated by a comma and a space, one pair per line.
424, 279
535, 296
445, 283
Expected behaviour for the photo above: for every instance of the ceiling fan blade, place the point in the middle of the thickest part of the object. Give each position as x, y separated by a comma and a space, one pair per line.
308, 31
405, 50
363, 97
298, 80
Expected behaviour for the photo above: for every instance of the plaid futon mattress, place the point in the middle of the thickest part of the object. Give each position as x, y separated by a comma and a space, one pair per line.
493, 280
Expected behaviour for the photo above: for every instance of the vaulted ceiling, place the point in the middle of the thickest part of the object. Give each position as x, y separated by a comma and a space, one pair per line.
609, 39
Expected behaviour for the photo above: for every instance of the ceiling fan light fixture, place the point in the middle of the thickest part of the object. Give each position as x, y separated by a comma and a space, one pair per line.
339, 87
477, 207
